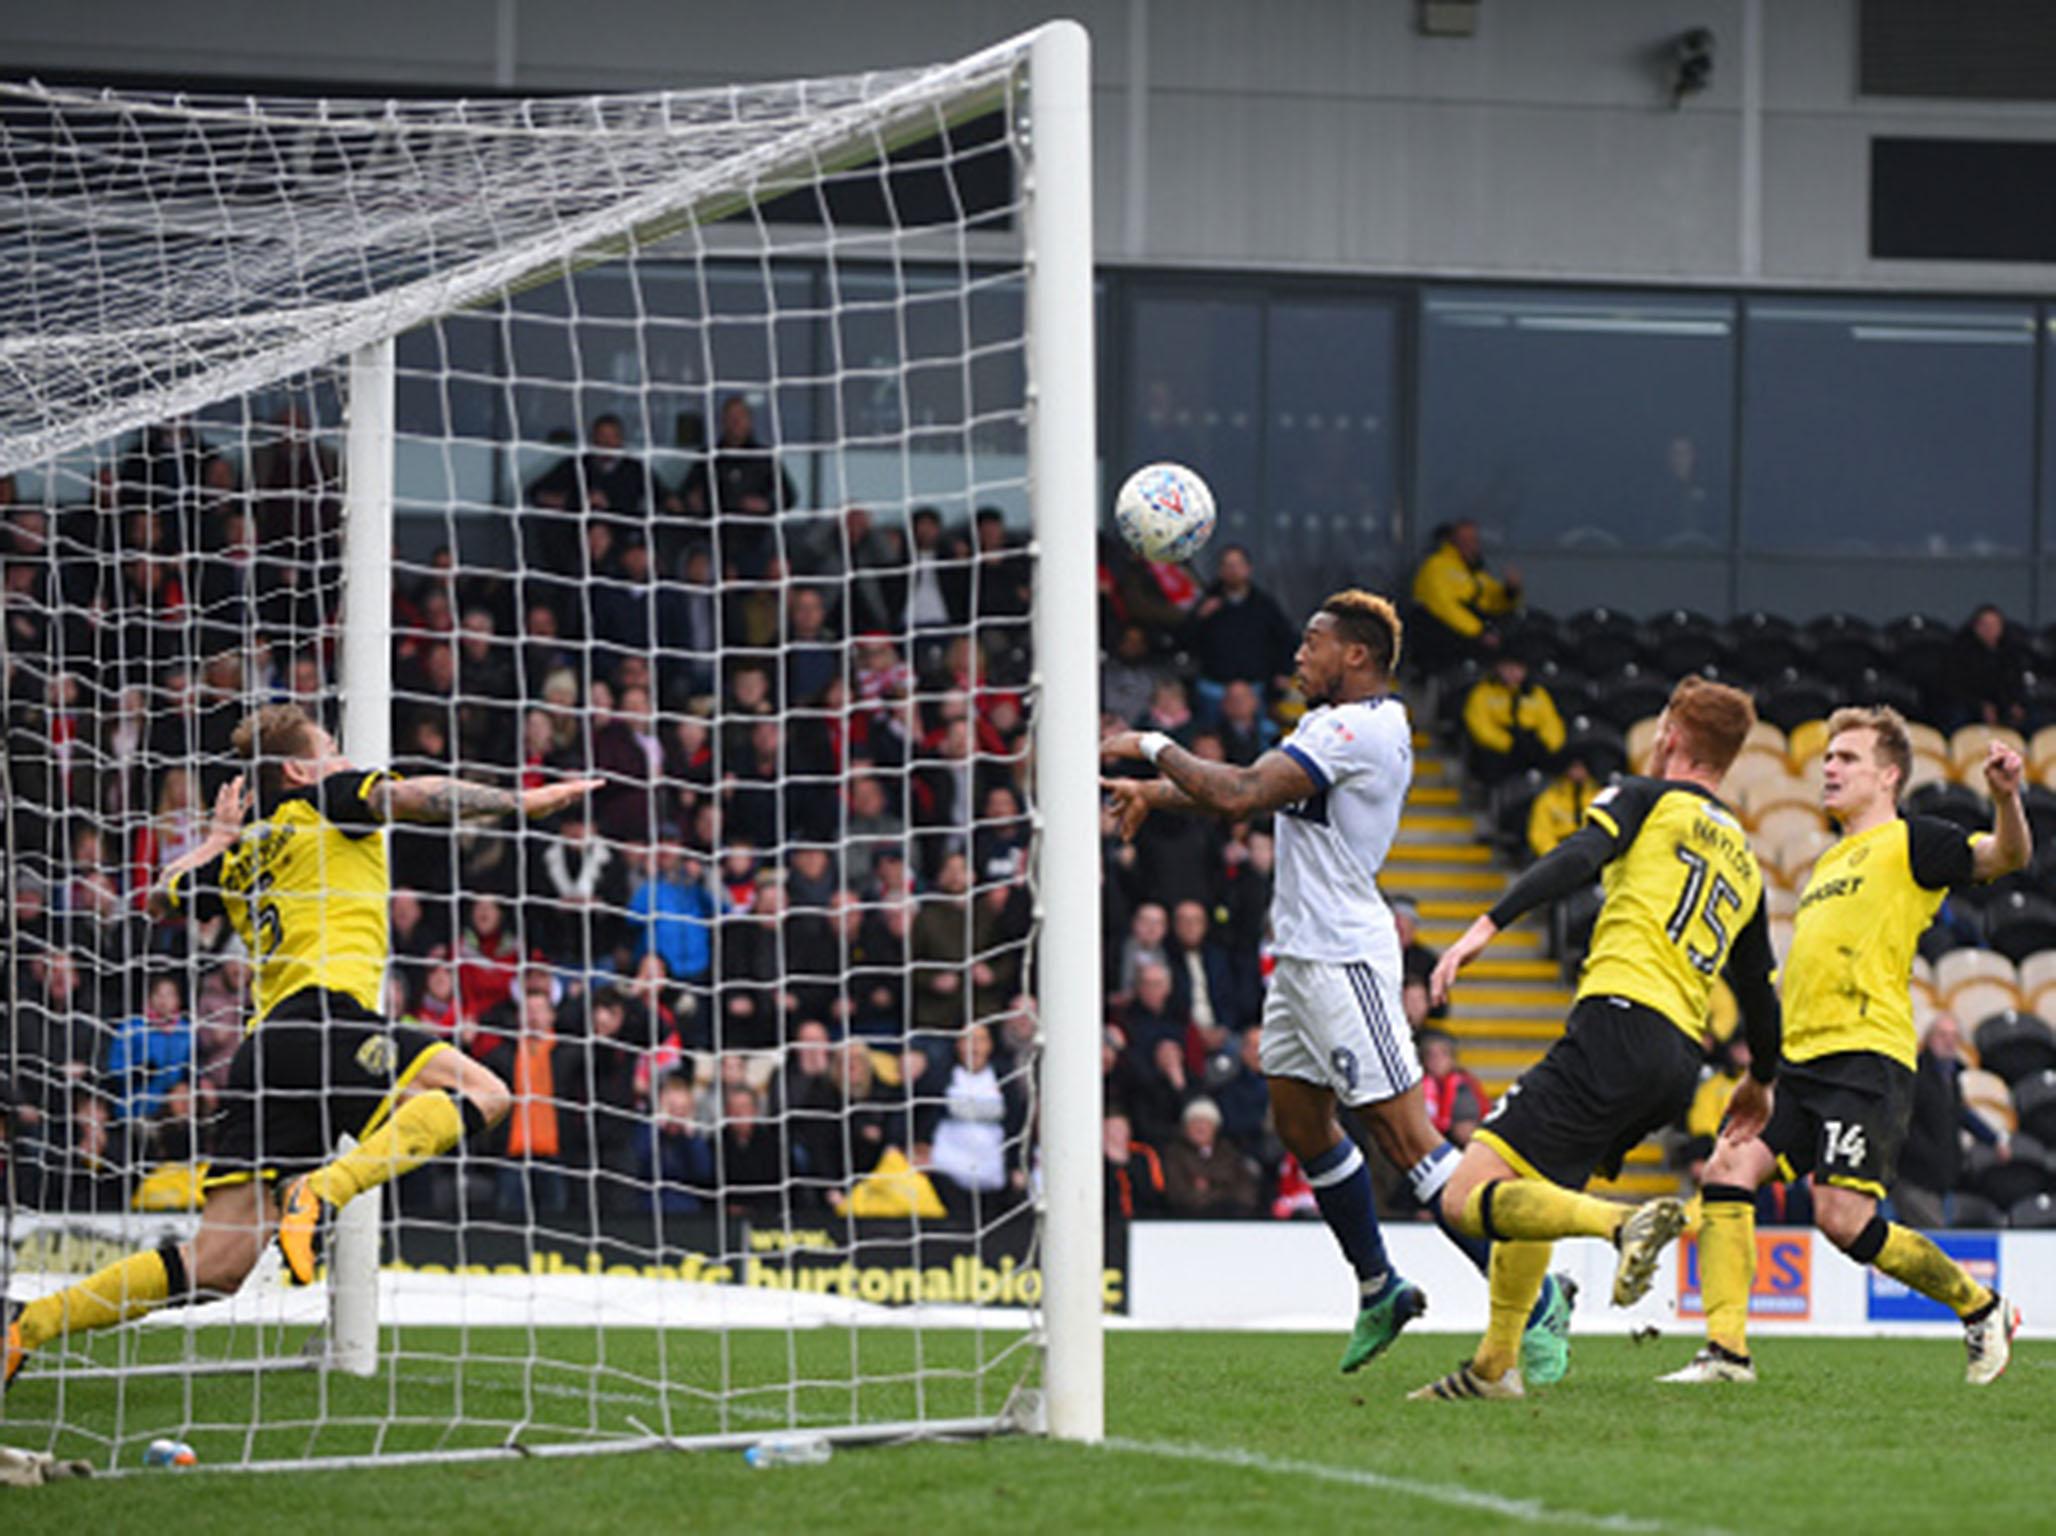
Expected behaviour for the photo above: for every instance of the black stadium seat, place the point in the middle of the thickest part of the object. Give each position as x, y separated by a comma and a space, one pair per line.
1681, 641
2041, 814
1952, 802
1602, 640
1792, 698
1510, 803
2038, 697
1845, 648
1572, 691
1919, 649
2009, 1180
1536, 637
2015, 1045
1765, 645
1830, 626
1974, 1210
2034, 1101
1451, 689
1871, 686
1633, 693
2037, 1213
2018, 924
1604, 748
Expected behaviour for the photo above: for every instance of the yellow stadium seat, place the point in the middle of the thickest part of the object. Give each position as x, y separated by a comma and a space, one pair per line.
1925, 738
2037, 971
2041, 1002
2041, 751
1806, 742
1641, 738
1967, 747
1759, 800
1785, 819
1795, 851
1928, 768
1751, 767
1961, 965
1978, 999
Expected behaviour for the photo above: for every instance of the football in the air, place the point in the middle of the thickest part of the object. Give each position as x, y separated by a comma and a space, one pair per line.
1165, 512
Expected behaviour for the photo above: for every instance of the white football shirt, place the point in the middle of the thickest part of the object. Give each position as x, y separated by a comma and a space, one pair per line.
1326, 904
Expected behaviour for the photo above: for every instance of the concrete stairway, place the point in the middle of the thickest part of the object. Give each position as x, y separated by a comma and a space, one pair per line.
1511, 1003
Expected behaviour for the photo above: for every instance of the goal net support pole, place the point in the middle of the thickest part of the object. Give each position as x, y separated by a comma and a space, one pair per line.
1063, 493
367, 688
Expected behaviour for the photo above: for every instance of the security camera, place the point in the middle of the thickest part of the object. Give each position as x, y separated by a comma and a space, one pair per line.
1691, 64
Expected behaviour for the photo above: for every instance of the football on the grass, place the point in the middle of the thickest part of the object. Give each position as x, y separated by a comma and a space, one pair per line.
1165, 512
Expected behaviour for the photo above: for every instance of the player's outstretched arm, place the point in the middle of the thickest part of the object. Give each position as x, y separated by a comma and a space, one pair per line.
443, 800
1274, 780
2011, 844
223, 828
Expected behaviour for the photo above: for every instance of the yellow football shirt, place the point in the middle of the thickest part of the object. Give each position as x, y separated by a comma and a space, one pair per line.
1681, 886
308, 891
1847, 979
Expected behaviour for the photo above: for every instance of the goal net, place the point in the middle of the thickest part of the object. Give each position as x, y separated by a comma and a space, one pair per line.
731, 448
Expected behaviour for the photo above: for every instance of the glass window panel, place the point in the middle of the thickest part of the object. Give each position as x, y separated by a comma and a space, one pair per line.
2049, 445
1195, 397
661, 346
448, 379
929, 379
1586, 420
1331, 445
1888, 427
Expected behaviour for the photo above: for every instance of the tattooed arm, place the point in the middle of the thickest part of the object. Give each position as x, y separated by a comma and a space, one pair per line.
1236, 794
442, 801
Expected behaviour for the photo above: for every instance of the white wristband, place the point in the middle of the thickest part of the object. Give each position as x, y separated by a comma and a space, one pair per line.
1153, 744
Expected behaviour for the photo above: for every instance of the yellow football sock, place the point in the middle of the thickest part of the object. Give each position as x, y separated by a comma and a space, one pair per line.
1910, 1257
1727, 1269
1534, 1210
426, 1126
1518, 1270
125, 1289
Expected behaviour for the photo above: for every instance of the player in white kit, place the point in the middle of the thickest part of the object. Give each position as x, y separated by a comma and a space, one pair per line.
1333, 1025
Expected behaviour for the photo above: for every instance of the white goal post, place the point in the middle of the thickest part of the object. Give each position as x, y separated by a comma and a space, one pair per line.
355, 334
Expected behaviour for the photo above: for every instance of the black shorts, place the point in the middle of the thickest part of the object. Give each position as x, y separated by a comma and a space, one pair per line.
1842, 1118
1620, 1071
320, 1066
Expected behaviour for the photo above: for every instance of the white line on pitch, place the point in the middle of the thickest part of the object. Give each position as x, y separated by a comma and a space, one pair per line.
1531, 1511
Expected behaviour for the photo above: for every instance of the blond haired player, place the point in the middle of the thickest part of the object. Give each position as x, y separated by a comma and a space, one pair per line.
1845, 1096
306, 887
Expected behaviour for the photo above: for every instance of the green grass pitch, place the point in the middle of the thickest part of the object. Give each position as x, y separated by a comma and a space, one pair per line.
1208, 1432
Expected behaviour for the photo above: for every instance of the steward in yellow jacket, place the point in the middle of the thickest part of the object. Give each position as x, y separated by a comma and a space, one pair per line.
1457, 597
1512, 723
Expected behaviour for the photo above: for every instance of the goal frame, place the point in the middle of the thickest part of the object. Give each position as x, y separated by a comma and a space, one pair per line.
1062, 473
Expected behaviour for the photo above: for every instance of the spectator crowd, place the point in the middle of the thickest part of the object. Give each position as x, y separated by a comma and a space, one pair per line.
778, 965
